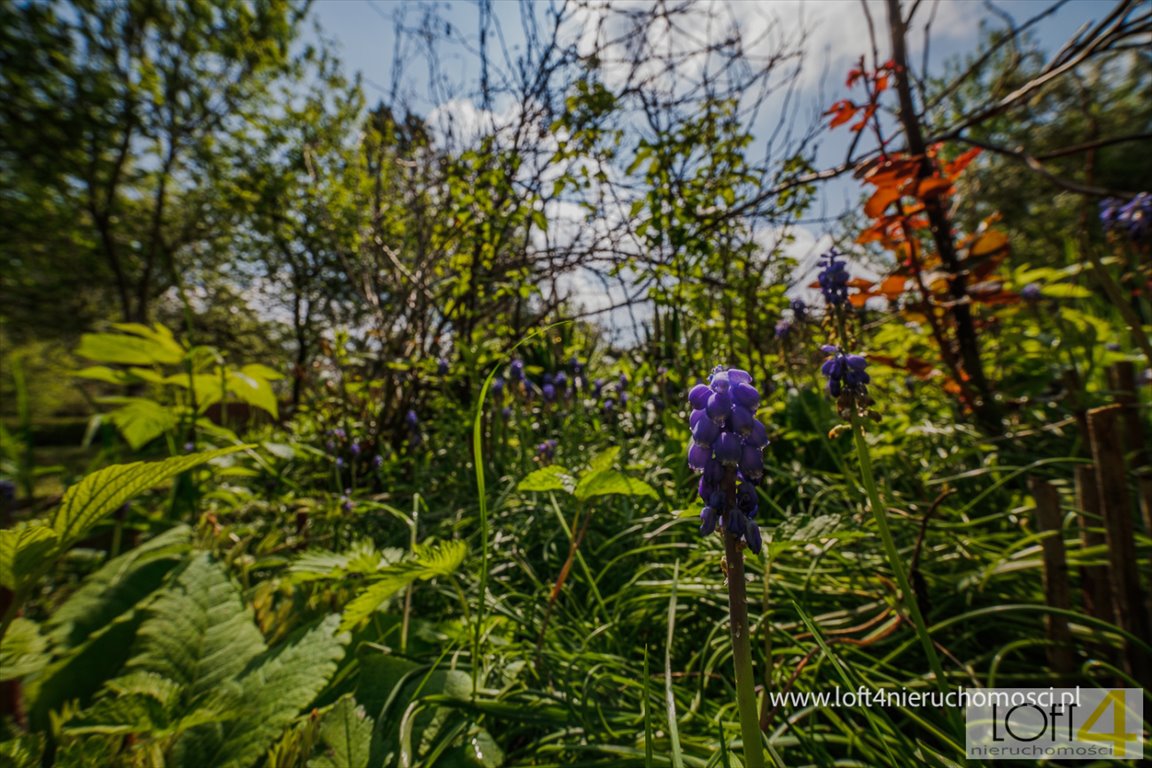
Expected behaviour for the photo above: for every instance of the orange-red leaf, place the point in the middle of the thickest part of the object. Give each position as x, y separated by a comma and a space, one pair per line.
932, 187
843, 111
957, 166
858, 300
893, 286
880, 200
868, 112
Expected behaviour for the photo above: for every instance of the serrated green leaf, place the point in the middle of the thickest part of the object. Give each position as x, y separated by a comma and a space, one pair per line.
103, 492
275, 689
118, 586
25, 551
611, 482
346, 732
550, 478
198, 633
23, 650
603, 460
426, 562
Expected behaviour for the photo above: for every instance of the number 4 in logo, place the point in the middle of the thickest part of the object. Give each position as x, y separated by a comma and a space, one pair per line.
1117, 737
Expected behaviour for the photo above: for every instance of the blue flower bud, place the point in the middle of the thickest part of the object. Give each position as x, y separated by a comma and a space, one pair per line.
705, 432
735, 522
745, 395
754, 538
719, 406
742, 419
759, 436
698, 456
708, 519
752, 463
737, 376
698, 397
728, 449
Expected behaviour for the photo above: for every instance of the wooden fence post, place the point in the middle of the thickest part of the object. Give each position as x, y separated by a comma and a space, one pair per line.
1061, 656
1093, 578
1106, 437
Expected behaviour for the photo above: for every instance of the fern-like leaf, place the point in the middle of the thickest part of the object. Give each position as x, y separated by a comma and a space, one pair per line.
426, 562
198, 633
270, 694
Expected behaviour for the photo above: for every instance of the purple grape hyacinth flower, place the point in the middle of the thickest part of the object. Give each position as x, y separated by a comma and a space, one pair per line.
845, 373
799, 310
728, 451
1132, 219
783, 328
833, 278
1031, 292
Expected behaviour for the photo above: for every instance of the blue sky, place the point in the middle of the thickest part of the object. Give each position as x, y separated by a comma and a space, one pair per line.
364, 32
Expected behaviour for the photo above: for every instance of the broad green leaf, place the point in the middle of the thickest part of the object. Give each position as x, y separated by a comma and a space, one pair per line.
103, 373
258, 371
25, 551
198, 633
140, 420
23, 650
128, 349
103, 492
603, 460
551, 478
611, 482
346, 732
253, 390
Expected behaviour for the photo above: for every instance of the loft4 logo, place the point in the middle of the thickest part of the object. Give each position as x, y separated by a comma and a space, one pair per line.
1055, 723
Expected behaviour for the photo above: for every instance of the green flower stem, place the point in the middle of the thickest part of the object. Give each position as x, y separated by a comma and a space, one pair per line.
742, 654
880, 512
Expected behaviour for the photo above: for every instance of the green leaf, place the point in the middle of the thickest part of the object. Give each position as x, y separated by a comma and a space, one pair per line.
140, 420
128, 349
103, 373
346, 732
611, 482
118, 586
253, 390
198, 633
23, 752
603, 460
258, 371
23, 650
103, 492
25, 551
269, 696
426, 562
1065, 291
550, 478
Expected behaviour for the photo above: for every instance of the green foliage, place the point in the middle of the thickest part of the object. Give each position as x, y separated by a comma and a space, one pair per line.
186, 381
29, 549
598, 480
427, 561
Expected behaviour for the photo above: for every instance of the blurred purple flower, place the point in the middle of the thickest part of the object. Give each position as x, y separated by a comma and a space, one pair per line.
727, 449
